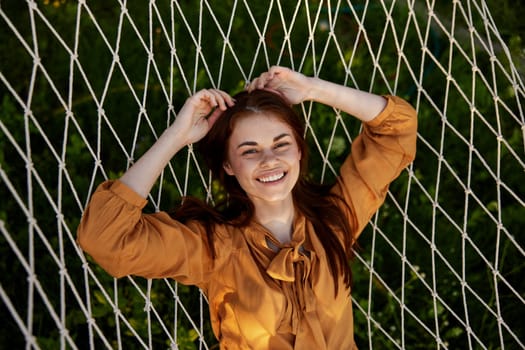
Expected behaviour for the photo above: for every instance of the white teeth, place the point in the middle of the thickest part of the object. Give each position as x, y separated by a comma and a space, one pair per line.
271, 178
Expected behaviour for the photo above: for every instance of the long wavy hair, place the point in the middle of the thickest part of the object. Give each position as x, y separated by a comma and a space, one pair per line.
321, 207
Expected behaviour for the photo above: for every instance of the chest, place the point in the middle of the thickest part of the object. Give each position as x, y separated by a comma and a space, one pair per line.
277, 284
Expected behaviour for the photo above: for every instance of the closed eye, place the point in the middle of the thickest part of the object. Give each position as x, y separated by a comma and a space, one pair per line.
249, 151
282, 144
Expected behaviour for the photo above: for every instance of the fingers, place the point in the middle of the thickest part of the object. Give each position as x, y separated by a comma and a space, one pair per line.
261, 81
215, 98
270, 79
222, 99
213, 117
218, 101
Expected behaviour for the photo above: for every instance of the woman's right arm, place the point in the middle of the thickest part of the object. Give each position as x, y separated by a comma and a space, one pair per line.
192, 123
123, 240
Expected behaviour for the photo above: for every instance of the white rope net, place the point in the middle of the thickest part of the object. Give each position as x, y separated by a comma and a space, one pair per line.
87, 86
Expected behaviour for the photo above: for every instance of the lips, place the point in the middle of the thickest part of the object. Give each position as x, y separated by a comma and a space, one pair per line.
271, 178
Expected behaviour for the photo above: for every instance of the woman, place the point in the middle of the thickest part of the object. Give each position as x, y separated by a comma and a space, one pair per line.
273, 258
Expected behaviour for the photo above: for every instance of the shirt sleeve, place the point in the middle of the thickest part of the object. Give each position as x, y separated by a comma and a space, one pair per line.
384, 148
125, 241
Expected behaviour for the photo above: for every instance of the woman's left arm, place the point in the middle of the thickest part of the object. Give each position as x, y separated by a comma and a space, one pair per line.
296, 88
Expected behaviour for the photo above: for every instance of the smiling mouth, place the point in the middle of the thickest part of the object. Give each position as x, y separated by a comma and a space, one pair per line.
271, 178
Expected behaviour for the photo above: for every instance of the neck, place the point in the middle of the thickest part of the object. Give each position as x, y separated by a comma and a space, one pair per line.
277, 217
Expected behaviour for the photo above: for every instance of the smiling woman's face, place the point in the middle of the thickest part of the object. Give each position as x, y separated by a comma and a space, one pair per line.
264, 157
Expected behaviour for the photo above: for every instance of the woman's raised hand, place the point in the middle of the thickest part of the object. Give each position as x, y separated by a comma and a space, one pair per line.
296, 88
293, 86
193, 121
200, 111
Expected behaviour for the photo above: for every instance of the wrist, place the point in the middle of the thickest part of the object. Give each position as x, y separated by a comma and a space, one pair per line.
317, 90
173, 139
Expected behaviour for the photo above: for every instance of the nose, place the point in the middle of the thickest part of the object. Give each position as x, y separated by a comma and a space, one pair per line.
268, 158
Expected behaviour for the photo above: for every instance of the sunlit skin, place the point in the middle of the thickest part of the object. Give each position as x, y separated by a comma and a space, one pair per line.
264, 157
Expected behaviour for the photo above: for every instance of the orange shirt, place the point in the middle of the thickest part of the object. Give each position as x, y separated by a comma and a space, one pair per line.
259, 297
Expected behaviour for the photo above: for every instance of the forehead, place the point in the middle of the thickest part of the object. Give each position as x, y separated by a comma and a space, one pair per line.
259, 126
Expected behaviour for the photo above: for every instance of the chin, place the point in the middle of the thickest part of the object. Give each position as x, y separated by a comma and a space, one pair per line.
274, 197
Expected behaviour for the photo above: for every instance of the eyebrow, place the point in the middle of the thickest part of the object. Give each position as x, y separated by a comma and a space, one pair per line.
253, 143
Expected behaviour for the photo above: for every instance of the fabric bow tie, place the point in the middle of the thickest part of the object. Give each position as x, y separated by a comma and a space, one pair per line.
282, 265
299, 292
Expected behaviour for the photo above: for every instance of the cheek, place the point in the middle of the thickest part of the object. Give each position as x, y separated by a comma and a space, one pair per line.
230, 163
294, 156
241, 167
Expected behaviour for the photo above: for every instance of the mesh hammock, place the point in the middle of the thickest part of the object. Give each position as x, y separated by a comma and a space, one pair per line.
87, 86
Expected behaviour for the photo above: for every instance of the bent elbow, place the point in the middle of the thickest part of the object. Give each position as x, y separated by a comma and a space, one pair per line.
90, 239
410, 134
